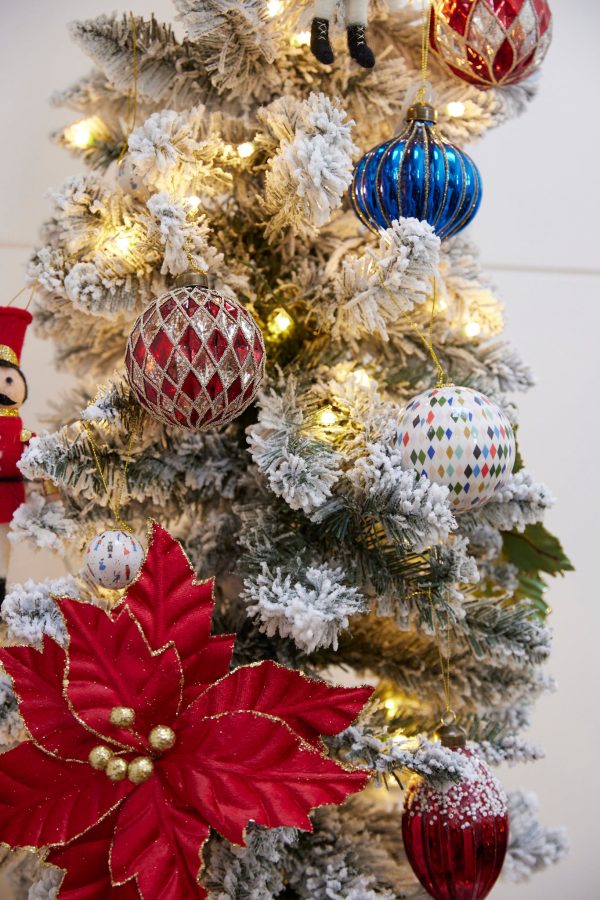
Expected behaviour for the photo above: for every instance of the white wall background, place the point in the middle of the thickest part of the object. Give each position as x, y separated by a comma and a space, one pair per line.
537, 230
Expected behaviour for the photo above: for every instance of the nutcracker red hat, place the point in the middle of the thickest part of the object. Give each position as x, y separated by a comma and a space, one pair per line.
13, 325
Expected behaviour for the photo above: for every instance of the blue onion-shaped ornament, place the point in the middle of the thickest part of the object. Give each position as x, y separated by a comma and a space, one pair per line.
417, 174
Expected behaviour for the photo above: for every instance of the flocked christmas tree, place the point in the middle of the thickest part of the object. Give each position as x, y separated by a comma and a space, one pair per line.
225, 149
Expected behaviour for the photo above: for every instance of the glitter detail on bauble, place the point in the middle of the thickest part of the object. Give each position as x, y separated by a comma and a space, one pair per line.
491, 42
458, 438
456, 839
113, 559
417, 174
195, 358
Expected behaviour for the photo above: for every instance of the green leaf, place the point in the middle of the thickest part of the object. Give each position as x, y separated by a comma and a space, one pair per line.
536, 550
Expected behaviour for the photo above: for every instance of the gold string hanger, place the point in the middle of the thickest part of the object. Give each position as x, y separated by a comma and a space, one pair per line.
448, 717
132, 97
18, 294
420, 98
113, 504
428, 344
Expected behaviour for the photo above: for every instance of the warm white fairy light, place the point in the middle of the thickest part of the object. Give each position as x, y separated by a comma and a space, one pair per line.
327, 418
193, 203
274, 7
83, 134
302, 39
279, 322
359, 378
121, 243
455, 109
472, 329
246, 149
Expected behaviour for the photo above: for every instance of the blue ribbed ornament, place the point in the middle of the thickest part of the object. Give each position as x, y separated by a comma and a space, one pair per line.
417, 174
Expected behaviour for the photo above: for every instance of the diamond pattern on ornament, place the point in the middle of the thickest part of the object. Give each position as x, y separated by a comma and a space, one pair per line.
195, 358
491, 42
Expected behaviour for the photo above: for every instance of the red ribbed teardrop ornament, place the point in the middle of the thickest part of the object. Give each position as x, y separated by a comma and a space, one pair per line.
456, 840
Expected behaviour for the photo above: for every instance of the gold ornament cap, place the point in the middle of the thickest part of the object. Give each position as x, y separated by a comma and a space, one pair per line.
452, 736
189, 279
422, 112
116, 769
162, 738
140, 769
100, 756
122, 716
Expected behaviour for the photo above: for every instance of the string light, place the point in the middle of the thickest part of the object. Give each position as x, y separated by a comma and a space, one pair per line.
274, 7
279, 322
302, 39
245, 150
472, 329
121, 243
327, 417
193, 202
455, 109
360, 379
83, 134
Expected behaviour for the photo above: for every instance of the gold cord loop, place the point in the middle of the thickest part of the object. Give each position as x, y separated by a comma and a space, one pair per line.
424, 52
113, 505
132, 99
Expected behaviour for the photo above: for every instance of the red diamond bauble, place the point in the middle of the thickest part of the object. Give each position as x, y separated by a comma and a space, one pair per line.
456, 840
189, 354
491, 42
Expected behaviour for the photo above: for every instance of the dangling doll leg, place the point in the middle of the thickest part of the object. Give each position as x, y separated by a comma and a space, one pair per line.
357, 12
4, 559
319, 32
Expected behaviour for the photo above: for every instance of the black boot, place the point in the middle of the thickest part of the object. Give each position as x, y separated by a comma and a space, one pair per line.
358, 47
319, 41
2, 591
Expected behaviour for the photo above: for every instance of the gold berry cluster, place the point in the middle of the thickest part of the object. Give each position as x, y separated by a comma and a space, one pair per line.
140, 769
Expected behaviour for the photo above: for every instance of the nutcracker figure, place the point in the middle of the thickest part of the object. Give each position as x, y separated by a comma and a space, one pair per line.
356, 28
13, 437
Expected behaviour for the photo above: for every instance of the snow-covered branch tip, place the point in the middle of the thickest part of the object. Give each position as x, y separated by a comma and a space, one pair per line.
30, 612
43, 523
310, 172
298, 467
312, 606
384, 283
362, 745
532, 847
184, 239
518, 503
414, 512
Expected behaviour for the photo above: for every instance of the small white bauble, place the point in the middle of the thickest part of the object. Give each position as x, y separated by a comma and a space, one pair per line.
113, 559
128, 179
456, 437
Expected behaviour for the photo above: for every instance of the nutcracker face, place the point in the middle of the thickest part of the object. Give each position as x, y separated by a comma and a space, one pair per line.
13, 387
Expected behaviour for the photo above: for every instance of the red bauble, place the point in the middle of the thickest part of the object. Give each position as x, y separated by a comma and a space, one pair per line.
456, 840
491, 42
195, 358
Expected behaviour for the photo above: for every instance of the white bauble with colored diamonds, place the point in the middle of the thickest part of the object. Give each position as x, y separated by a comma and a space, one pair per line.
456, 437
113, 559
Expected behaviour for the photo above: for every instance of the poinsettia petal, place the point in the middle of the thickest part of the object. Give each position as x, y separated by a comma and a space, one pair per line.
110, 664
45, 800
213, 663
309, 707
158, 838
244, 766
86, 865
171, 606
37, 678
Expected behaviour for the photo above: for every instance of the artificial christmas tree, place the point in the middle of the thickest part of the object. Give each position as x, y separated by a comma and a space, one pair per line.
226, 149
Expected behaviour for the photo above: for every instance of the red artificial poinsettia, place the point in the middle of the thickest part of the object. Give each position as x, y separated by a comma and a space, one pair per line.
243, 747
